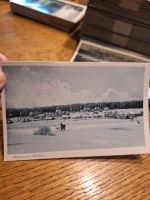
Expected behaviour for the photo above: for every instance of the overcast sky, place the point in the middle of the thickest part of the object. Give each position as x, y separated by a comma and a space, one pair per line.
47, 86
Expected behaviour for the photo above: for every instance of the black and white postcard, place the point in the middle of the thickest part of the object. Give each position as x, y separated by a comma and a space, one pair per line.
61, 110
92, 51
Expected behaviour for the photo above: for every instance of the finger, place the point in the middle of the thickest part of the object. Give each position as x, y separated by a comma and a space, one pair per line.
2, 57
2, 75
2, 80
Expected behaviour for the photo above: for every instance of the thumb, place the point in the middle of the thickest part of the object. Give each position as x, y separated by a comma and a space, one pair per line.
2, 57
2, 75
2, 80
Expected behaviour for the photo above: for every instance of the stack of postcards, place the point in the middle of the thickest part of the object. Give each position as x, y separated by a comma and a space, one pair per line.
60, 14
124, 23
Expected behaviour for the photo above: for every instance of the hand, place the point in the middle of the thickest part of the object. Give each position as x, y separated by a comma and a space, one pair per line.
2, 75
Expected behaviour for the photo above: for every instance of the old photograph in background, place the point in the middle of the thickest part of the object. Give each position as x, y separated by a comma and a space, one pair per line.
90, 51
59, 8
56, 110
63, 15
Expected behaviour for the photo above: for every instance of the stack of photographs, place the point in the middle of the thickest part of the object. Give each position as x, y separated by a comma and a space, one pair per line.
84, 2
57, 13
92, 51
63, 110
124, 23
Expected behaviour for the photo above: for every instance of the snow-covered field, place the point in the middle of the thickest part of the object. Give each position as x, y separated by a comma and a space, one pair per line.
79, 134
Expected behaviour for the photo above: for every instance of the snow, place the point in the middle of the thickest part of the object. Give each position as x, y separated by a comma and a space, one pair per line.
79, 134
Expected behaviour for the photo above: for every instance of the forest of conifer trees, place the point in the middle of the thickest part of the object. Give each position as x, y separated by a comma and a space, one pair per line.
22, 112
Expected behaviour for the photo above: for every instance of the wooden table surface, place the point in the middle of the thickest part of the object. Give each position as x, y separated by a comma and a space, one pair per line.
112, 178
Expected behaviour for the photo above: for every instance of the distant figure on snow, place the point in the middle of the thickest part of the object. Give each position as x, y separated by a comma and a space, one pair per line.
62, 126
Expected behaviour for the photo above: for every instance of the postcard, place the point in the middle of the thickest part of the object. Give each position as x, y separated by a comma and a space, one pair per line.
92, 51
64, 110
61, 9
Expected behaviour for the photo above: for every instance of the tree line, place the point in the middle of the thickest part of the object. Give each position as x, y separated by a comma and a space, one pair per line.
13, 112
